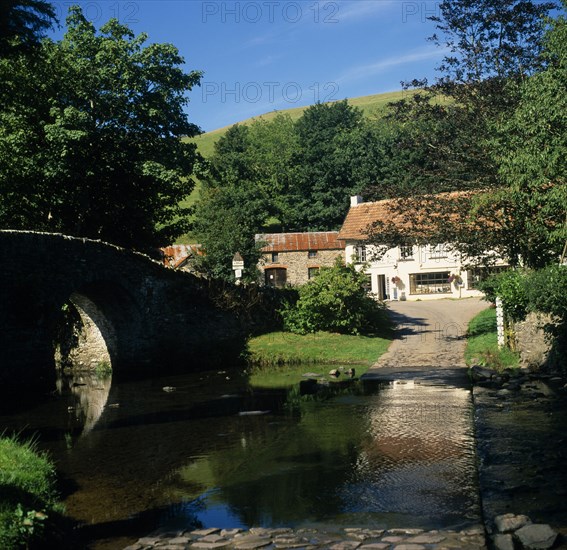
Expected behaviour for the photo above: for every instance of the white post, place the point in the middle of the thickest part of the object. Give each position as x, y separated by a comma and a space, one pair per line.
500, 322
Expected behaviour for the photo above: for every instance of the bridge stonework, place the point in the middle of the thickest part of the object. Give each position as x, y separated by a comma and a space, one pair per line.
160, 319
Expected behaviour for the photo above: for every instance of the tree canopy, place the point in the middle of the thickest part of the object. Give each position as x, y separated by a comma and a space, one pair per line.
90, 132
23, 23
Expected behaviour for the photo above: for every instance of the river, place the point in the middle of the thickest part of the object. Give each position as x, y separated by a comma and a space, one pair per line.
207, 449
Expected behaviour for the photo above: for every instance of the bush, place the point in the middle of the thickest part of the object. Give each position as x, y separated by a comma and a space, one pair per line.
28, 499
511, 287
335, 301
547, 291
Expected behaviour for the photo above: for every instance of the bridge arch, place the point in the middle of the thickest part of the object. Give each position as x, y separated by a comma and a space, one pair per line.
96, 331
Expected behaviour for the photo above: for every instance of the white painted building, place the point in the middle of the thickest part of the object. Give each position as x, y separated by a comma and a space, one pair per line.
413, 272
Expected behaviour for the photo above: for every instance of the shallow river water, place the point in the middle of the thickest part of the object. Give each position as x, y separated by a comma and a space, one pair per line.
207, 450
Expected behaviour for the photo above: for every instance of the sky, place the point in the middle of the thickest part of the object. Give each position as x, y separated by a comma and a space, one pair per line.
259, 56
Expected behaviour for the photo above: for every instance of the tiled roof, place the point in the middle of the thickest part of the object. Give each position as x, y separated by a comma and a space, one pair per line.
293, 242
176, 254
363, 215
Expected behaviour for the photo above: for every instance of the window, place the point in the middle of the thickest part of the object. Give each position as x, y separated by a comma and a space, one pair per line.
360, 254
312, 254
438, 251
312, 272
275, 257
430, 283
406, 252
276, 277
368, 283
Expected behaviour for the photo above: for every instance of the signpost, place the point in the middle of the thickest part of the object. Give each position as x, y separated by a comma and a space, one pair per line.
237, 267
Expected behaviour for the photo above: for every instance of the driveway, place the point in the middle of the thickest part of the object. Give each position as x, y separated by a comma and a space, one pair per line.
430, 339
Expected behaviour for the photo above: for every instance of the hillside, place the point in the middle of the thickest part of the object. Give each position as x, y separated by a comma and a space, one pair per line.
371, 105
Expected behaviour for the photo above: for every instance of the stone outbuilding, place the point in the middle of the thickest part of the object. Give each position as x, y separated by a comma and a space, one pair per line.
294, 258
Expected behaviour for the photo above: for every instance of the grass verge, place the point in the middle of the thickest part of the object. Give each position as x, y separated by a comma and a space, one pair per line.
280, 358
482, 343
28, 498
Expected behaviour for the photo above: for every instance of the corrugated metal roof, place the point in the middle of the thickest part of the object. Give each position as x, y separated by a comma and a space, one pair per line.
293, 242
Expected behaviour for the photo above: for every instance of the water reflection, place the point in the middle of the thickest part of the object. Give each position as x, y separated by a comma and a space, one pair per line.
401, 455
418, 455
88, 395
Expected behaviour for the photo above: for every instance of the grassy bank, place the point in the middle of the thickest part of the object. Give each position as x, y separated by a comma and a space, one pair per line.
280, 358
482, 343
28, 497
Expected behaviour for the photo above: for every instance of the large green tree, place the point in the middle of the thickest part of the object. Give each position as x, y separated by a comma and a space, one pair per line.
323, 178
90, 134
534, 155
244, 192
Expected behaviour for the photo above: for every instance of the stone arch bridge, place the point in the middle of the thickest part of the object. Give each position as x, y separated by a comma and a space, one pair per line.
149, 317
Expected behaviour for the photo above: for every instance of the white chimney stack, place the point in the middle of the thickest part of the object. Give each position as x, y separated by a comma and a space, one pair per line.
355, 200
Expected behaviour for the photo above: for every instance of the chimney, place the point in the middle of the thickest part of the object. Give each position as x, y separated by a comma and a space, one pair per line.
355, 200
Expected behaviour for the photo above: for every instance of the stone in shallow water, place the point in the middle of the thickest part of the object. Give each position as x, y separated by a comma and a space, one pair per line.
427, 539
212, 538
345, 545
394, 539
179, 540
507, 523
251, 542
536, 536
375, 546
204, 532
211, 545
230, 532
503, 542
406, 546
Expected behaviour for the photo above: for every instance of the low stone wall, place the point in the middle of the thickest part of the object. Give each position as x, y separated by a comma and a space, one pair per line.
533, 342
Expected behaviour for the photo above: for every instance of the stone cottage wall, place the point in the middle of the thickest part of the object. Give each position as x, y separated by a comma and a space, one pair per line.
298, 263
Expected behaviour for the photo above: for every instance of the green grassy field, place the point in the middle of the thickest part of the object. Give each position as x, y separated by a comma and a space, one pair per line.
281, 358
482, 345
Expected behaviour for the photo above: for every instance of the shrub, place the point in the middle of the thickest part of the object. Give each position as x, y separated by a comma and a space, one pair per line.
335, 301
547, 291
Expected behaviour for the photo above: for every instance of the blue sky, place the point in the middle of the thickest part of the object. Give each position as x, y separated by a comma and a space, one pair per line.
263, 55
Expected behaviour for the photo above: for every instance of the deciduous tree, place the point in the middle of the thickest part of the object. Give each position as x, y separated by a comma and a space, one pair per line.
90, 134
